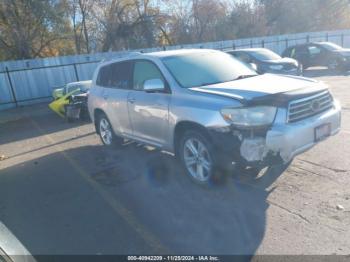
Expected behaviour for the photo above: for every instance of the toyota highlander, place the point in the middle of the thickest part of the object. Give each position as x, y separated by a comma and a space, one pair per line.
210, 110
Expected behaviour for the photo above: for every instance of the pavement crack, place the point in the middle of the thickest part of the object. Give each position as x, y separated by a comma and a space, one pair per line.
290, 212
337, 170
308, 172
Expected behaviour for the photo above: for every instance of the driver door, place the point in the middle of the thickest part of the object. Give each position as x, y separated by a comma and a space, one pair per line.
314, 55
148, 110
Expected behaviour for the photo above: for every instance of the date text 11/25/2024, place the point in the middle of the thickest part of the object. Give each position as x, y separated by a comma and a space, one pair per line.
173, 258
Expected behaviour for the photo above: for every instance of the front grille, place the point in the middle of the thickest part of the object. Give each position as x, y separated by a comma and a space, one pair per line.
309, 106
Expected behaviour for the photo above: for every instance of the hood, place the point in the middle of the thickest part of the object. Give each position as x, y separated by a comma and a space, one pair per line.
282, 61
265, 89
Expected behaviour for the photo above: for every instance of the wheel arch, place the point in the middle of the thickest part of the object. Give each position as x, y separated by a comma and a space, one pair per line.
97, 113
182, 127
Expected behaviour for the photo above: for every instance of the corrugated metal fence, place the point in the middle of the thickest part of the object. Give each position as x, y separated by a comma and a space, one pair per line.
31, 81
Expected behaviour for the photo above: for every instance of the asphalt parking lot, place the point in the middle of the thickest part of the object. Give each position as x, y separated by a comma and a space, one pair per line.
62, 192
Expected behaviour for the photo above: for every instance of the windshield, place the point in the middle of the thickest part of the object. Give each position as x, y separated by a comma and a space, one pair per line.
331, 46
205, 68
264, 54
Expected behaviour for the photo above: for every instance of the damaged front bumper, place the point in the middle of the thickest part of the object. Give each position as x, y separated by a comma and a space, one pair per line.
291, 139
278, 144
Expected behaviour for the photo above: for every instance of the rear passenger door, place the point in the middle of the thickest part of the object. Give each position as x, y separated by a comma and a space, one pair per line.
149, 111
302, 55
314, 55
116, 82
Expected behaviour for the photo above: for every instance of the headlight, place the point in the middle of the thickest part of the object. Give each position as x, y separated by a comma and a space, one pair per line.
250, 116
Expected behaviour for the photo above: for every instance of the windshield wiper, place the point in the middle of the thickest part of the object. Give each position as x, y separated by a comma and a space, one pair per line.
244, 76
219, 82
208, 84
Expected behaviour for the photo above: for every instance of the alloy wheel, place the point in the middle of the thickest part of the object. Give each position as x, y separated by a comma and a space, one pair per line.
333, 65
106, 131
197, 159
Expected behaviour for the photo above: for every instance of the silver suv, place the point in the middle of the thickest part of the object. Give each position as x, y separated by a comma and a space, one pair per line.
210, 110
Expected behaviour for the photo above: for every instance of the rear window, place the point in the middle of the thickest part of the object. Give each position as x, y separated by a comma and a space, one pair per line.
264, 54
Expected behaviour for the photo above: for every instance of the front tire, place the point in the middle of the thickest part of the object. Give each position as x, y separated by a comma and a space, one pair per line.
335, 65
197, 157
106, 132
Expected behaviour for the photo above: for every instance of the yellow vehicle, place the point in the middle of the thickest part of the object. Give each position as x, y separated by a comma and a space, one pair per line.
74, 94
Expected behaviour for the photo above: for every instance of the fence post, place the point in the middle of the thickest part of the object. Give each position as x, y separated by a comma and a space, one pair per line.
262, 43
307, 39
251, 43
286, 42
76, 72
233, 46
327, 37
342, 39
11, 86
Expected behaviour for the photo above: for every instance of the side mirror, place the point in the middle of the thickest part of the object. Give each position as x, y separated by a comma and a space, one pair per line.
153, 85
253, 66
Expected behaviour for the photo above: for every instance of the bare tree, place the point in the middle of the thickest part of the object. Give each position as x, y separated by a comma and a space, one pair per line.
80, 12
36, 28
29, 28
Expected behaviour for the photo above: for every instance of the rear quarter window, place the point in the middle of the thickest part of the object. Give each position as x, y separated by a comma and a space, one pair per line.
116, 75
103, 76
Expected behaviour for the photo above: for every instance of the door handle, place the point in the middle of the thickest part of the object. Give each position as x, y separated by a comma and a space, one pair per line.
131, 100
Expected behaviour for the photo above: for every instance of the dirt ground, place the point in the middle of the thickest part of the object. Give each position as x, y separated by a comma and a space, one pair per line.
62, 192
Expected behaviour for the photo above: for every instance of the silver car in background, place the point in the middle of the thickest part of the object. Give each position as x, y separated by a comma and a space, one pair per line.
210, 110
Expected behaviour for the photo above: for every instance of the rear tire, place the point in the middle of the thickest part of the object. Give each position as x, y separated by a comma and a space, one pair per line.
198, 157
106, 132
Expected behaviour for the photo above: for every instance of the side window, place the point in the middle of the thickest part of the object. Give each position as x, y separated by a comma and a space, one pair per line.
314, 50
246, 58
243, 57
302, 51
145, 70
120, 75
103, 76
115, 75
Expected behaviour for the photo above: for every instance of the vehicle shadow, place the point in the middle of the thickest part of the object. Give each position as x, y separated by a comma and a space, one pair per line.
23, 128
64, 203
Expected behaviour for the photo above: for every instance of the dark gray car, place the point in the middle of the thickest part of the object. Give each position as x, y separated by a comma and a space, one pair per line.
266, 61
326, 54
